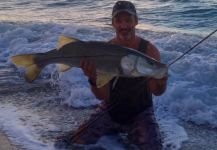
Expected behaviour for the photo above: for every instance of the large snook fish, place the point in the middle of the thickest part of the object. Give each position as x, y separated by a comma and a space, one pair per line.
111, 60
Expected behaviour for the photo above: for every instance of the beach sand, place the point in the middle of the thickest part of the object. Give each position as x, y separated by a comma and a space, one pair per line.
5, 143
201, 137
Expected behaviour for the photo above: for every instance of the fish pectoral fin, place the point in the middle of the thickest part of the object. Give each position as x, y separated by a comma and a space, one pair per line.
64, 67
102, 79
63, 40
115, 81
32, 73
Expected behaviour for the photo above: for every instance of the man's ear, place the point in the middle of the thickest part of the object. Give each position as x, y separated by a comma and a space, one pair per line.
112, 21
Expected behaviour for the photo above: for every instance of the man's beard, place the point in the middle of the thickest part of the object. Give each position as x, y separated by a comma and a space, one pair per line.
126, 34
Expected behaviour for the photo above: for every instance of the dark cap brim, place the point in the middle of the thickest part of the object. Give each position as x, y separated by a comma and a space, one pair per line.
123, 10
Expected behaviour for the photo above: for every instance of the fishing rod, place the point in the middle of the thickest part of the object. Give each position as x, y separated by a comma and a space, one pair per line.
191, 48
90, 122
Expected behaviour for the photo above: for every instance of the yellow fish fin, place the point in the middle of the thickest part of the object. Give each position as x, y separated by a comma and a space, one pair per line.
32, 73
27, 61
102, 79
64, 67
63, 40
23, 60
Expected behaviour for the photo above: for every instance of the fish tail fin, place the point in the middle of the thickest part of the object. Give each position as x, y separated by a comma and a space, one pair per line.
32, 73
23, 60
28, 62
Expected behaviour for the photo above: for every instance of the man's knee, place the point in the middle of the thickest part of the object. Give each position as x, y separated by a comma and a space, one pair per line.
145, 134
89, 136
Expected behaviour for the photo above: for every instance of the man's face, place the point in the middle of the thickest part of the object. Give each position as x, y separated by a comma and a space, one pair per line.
124, 24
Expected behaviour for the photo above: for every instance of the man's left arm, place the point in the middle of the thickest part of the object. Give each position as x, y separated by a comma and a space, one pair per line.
156, 86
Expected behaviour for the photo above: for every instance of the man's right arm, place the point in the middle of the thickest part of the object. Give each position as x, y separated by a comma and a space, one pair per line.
101, 93
157, 86
89, 69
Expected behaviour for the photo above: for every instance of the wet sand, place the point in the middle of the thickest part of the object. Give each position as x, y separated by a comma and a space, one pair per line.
5, 143
200, 137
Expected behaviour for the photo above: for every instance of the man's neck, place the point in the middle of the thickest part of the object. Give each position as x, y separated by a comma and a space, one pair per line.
133, 43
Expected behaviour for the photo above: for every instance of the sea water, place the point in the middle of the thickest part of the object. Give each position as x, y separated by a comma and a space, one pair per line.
174, 26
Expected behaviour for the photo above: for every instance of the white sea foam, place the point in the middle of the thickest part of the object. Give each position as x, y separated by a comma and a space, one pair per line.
23, 128
191, 93
75, 90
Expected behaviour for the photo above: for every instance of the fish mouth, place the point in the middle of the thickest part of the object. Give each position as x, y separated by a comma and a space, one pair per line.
162, 72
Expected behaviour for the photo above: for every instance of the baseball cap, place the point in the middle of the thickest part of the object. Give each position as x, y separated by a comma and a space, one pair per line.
126, 6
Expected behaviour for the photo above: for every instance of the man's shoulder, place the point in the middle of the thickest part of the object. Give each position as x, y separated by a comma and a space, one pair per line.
143, 39
111, 41
152, 51
142, 44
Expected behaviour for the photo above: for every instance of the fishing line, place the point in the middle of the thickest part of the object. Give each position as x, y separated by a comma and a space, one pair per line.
192, 48
90, 122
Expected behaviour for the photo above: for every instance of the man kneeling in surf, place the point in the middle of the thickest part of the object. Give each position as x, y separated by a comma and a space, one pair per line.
127, 102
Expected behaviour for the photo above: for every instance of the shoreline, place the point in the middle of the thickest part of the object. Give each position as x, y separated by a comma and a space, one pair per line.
6, 144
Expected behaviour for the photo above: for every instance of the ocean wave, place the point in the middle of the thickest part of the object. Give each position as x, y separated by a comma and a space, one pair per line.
190, 95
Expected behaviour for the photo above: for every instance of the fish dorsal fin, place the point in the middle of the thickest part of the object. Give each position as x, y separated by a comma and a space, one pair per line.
63, 67
63, 40
102, 79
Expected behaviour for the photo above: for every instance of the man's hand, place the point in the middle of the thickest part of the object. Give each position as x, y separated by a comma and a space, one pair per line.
157, 86
89, 69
